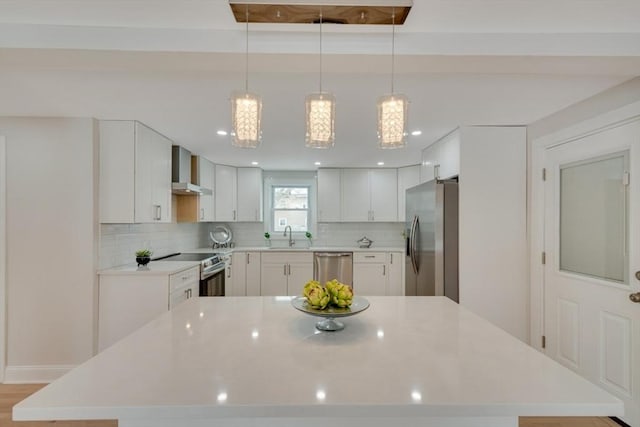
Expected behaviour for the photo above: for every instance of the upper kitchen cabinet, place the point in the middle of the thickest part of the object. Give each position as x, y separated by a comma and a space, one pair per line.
226, 198
249, 194
194, 207
329, 195
407, 177
369, 195
135, 173
238, 194
441, 160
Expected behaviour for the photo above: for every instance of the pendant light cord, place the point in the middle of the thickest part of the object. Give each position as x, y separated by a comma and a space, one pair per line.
246, 58
320, 50
393, 45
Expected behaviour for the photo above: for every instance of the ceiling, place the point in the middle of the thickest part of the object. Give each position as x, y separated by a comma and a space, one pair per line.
172, 64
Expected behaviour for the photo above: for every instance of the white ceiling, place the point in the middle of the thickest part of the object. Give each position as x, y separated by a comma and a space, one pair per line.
172, 65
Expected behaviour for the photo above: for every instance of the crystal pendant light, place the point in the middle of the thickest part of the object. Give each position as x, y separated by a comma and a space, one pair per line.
320, 113
246, 109
392, 109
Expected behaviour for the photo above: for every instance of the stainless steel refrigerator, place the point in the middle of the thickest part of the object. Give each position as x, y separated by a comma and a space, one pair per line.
432, 239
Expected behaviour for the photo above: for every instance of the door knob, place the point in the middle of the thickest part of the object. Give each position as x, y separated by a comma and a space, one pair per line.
635, 297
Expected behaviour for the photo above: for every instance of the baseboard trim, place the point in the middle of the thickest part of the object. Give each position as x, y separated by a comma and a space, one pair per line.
35, 374
619, 422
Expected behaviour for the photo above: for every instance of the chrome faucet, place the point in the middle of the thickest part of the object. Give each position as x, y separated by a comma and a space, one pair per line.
291, 241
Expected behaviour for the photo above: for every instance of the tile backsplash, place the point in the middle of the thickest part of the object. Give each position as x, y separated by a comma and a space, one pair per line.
327, 234
118, 242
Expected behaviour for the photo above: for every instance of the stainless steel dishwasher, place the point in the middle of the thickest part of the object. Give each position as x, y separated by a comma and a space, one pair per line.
333, 265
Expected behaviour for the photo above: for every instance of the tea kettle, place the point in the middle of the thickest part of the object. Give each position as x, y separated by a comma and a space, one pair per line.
365, 242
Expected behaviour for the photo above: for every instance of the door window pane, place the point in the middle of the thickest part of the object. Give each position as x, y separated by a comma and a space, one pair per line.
593, 218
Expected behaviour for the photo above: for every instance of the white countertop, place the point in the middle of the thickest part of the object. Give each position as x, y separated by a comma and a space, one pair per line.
259, 358
163, 268
319, 249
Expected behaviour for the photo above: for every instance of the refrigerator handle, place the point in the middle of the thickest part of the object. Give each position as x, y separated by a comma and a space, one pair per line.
413, 246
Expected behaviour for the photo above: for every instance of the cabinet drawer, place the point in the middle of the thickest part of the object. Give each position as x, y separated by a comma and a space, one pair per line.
286, 257
184, 278
377, 257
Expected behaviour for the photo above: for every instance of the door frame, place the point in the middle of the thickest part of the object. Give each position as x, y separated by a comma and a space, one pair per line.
612, 119
3, 257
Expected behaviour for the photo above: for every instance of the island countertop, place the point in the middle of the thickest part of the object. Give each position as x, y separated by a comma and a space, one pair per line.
257, 359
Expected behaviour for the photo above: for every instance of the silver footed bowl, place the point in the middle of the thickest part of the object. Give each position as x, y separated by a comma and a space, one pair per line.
329, 323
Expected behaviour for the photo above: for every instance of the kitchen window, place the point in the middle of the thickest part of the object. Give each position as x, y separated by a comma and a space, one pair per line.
290, 207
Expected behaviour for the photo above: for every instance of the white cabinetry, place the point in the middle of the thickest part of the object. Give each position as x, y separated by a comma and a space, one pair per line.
378, 273
243, 275
356, 200
441, 160
329, 195
395, 284
135, 173
285, 273
204, 174
226, 193
369, 195
193, 208
407, 177
249, 195
238, 194
128, 301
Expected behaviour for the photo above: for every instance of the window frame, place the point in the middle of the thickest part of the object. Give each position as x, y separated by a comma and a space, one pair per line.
273, 209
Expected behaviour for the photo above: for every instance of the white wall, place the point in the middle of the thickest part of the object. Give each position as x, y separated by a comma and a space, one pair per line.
3, 255
51, 245
492, 226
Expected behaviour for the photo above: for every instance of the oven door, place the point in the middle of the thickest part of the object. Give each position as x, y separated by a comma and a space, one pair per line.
212, 283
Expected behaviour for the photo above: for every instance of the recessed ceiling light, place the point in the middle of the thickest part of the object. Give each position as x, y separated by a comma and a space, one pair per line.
222, 133
380, 163
317, 163
254, 163
416, 133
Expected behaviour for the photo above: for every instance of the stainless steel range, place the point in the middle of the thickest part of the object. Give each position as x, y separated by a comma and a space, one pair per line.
212, 270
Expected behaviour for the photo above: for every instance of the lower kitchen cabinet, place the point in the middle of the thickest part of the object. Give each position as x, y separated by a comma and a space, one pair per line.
285, 273
243, 275
377, 273
129, 301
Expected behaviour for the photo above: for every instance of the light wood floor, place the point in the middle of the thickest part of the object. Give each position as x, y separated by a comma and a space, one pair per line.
10, 394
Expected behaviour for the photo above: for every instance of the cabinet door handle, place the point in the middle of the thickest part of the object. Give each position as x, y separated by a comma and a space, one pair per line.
248, 260
369, 256
158, 212
391, 259
436, 171
201, 213
234, 214
228, 272
289, 269
384, 270
285, 269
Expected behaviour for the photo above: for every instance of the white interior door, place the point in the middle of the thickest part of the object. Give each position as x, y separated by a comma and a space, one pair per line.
592, 245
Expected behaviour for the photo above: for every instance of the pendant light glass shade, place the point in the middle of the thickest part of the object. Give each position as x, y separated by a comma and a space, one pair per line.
392, 121
320, 115
392, 109
246, 109
246, 113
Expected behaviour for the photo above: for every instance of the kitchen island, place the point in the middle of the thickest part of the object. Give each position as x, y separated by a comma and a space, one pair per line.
257, 361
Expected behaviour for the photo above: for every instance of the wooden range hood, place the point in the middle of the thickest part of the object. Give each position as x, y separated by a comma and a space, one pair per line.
357, 12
